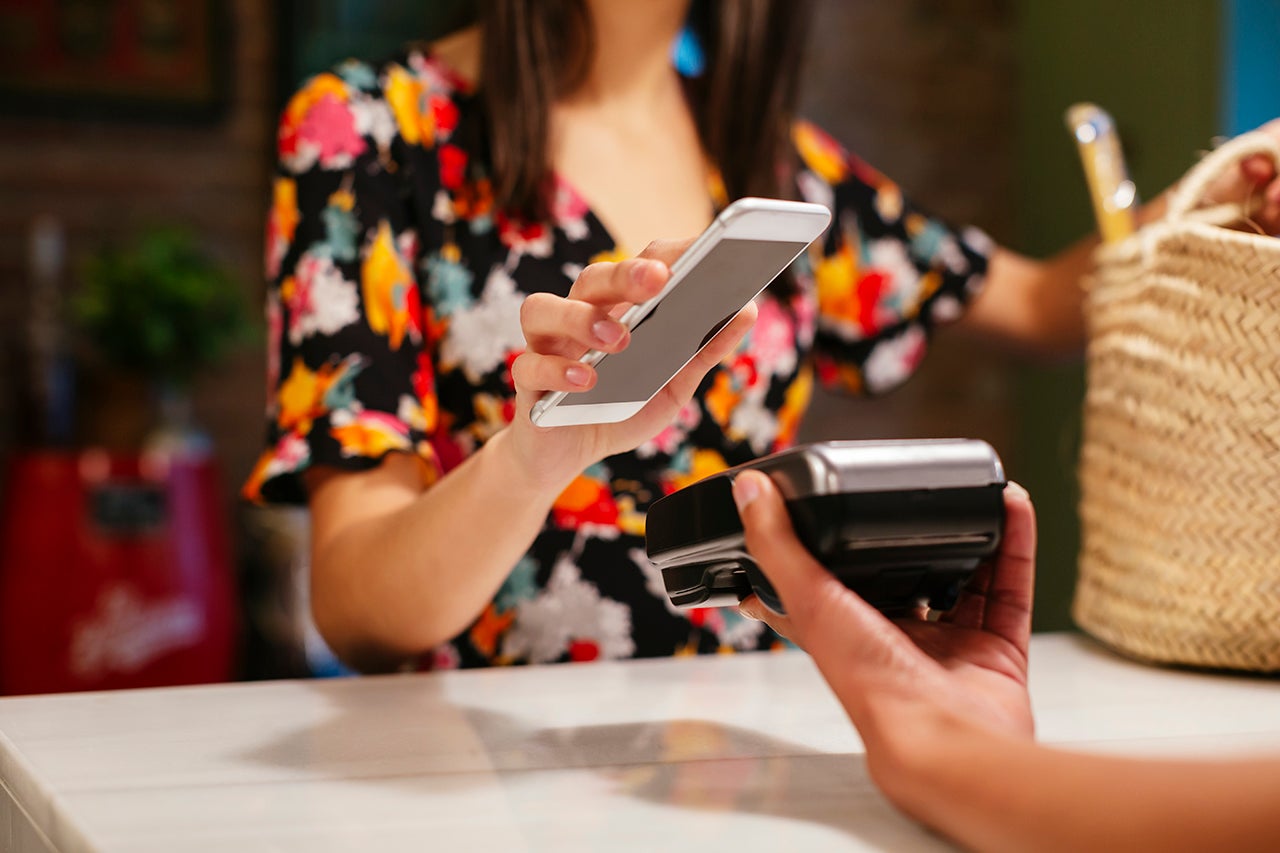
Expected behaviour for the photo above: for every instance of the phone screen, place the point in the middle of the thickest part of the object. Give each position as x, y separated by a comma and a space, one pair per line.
710, 294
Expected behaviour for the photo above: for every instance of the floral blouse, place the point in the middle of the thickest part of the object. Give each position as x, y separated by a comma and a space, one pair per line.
393, 316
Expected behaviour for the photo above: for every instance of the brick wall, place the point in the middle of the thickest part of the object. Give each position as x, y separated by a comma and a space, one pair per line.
924, 90
105, 181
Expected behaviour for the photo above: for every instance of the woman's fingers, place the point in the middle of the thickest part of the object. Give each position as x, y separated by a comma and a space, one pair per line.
1262, 175
568, 327
607, 284
1269, 216
558, 331
589, 318
1258, 170
535, 373
666, 251
1263, 179
629, 282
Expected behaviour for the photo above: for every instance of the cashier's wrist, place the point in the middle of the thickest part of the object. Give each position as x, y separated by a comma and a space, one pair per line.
909, 746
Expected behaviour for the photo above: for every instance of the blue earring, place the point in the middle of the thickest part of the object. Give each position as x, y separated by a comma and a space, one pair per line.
687, 55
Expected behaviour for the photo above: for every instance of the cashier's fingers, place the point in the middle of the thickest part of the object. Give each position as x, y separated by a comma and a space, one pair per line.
753, 608
971, 606
1012, 587
823, 616
998, 597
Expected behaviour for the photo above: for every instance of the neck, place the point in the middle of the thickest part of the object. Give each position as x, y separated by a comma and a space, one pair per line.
632, 61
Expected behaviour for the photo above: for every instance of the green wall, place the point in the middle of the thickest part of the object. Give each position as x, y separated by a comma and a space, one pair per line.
1154, 64
316, 34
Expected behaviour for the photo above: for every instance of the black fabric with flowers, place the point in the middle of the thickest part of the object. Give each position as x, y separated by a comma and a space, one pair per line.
393, 313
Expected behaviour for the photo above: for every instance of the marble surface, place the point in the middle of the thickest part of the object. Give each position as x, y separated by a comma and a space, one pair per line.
750, 751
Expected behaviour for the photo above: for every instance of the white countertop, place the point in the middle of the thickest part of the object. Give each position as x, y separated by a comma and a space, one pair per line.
748, 751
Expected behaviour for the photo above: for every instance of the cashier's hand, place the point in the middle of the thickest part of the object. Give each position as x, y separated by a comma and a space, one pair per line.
1258, 180
901, 680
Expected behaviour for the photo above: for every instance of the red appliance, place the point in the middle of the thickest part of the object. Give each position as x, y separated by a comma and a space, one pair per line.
115, 572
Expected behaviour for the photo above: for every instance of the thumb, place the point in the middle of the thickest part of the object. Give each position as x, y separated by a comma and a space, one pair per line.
827, 617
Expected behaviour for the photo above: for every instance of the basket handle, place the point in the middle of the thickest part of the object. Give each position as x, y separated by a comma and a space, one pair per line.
1190, 193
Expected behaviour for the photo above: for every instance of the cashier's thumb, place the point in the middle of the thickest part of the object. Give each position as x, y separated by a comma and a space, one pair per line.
824, 616
772, 541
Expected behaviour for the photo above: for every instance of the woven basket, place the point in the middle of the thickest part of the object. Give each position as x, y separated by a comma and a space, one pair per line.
1180, 460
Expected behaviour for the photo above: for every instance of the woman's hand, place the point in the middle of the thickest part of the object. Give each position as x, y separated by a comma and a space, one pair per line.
903, 682
558, 331
1256, 183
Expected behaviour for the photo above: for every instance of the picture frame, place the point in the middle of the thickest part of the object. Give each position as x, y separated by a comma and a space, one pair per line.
114, 59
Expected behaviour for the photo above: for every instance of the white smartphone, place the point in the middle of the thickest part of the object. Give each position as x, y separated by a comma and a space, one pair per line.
747, 246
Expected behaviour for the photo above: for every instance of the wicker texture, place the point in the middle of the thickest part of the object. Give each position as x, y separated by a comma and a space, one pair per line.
1180, 462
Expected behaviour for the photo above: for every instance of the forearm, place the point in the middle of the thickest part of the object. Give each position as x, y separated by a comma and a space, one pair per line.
992, 792
1037, 305
394, 584
1034, 305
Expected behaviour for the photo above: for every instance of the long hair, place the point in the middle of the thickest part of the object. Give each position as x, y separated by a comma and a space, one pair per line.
536, 51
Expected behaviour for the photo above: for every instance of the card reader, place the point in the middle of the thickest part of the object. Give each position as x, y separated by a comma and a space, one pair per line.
901, 523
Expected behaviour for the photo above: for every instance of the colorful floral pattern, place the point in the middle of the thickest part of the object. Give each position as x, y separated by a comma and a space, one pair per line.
394, 312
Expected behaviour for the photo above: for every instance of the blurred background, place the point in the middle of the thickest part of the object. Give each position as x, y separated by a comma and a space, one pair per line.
136, 145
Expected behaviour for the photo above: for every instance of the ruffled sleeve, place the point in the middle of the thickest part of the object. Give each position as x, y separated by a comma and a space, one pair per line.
887, 273
350, 374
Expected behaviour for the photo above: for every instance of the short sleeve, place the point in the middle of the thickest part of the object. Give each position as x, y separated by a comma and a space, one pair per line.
887, 273
350, 377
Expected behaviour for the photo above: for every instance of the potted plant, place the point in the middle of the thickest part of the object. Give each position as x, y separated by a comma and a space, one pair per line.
150, 317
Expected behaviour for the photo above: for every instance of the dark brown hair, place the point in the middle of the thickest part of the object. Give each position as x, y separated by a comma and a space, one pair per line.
536, 51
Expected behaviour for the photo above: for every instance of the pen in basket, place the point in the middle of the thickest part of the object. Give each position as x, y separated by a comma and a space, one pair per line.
1113, 194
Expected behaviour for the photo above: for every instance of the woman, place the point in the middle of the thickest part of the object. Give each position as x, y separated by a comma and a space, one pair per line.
932, 700
418, 204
